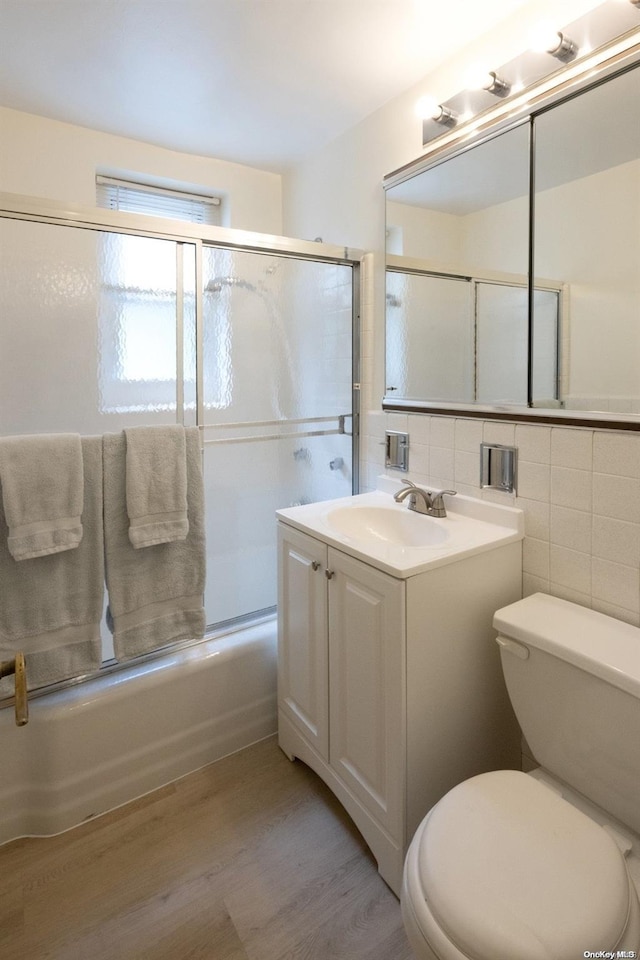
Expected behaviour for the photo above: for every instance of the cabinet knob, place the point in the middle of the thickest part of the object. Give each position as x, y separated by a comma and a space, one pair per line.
328, 574
315, 565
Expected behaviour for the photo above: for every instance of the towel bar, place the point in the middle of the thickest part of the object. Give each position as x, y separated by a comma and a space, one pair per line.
17, 667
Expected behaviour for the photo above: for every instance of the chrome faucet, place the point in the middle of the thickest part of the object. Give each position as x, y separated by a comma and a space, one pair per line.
427, 502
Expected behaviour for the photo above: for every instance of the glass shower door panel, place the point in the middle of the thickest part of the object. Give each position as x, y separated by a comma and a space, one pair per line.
49, 348
94, 328
277, 376
428, 318
245, 483
277, 337
545, 363
502, 345
89, 328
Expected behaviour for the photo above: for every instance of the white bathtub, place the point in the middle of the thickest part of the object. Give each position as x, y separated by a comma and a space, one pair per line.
97, 745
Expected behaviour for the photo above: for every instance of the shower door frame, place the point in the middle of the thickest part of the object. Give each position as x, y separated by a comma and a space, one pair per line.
294, 250
17, 207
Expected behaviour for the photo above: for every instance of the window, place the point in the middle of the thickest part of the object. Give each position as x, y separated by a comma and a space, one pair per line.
138, 321
157, 201
138, 312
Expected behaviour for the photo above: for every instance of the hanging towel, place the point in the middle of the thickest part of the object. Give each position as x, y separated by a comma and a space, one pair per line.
156, 594
156, 485
51, 606
42, 493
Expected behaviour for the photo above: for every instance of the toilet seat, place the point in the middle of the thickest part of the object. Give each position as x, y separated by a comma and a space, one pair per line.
503, 868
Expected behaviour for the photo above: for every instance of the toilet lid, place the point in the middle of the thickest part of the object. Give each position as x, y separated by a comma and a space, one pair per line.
510, 869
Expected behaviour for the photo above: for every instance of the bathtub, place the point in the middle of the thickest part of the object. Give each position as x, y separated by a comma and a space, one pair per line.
99, 744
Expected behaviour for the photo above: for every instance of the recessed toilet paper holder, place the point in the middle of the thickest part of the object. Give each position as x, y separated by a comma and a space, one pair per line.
497, 467
396, 450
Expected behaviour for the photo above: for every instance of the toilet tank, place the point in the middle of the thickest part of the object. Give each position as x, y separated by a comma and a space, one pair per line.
573, 676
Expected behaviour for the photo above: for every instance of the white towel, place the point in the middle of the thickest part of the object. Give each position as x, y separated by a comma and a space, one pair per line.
51, 606
155, 595
42, 493
156, 485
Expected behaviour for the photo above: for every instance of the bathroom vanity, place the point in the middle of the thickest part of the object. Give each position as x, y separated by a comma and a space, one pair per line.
389, 679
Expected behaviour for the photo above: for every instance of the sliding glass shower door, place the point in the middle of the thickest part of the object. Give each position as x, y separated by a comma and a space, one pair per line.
104, 328
277, 375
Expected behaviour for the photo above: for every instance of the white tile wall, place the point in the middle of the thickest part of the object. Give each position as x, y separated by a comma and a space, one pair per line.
579, 490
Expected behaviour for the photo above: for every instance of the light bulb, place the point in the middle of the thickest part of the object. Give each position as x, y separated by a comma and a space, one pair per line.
546, 38
428, 108
478, 78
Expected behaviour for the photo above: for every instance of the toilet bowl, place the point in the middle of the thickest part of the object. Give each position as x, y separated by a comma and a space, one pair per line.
515, 866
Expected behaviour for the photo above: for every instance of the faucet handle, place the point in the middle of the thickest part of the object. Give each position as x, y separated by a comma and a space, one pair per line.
408, 485
437, 503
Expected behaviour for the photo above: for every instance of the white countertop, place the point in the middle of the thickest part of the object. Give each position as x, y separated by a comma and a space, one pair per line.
471, 526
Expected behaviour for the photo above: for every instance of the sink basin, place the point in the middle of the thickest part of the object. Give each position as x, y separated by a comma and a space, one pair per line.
374, 528
386, 525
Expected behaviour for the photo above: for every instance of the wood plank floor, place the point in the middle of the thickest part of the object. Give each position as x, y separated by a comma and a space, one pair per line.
251, 858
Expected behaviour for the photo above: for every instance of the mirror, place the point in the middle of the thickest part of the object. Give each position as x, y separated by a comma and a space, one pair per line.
464, 323
587, 236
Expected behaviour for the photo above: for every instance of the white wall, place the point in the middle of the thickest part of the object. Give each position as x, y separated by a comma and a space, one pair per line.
58, 161
579, 488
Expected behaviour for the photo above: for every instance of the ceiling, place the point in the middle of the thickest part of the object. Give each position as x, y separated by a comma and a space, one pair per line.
260, 82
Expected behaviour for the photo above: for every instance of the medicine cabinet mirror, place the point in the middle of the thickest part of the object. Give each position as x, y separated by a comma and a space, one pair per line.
513, 265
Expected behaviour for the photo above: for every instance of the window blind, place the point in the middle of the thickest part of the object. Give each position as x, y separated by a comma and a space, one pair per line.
156, 201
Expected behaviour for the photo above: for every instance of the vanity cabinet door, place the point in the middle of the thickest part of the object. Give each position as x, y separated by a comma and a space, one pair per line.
303, 693
366, 658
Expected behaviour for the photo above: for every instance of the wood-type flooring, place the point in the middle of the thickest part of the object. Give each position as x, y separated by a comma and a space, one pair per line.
250, 858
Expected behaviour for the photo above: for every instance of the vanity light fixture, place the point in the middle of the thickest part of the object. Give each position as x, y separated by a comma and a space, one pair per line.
497, 86
581, 46
490, 81
429, 109
549, 40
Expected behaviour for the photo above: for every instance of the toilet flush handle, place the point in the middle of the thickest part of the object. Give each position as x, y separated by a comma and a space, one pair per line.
517, 649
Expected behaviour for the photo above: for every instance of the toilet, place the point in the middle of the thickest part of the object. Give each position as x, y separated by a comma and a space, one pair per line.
542, 865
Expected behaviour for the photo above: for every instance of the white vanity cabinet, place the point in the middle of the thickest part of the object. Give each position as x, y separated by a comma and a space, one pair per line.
341, 669
303, 649
390, 687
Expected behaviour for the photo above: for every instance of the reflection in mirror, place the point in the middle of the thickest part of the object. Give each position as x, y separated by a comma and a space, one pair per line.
457, 244
469, 212
429, 317
465, 339
587, 237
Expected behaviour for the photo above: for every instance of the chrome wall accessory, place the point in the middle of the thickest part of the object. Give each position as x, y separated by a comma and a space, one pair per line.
498, 467
396, 450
